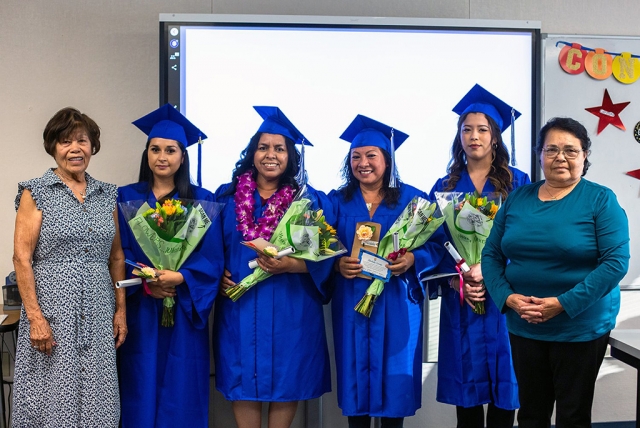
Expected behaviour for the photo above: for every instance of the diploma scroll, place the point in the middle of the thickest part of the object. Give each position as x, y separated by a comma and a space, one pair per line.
464, 267
285, 252
128, 282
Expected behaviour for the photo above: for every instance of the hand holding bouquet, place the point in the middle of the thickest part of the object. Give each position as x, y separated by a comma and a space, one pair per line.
168, 234
413, 228
469, 218
302, 228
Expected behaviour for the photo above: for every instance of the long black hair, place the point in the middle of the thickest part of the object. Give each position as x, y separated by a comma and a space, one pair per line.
500, 175
246, 164
390, 195
181, 179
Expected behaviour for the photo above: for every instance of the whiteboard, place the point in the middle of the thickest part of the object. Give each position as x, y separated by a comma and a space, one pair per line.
407, 73
614, 151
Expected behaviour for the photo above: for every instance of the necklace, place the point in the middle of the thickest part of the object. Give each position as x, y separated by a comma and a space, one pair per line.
277, 205
375, 201
82, 194
555, 198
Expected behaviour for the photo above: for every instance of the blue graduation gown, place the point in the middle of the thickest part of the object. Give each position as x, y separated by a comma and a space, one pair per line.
474, 355
379, 359
271, 344
164, 371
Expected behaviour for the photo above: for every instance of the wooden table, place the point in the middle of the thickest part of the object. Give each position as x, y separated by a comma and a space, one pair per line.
9, 325
625, 346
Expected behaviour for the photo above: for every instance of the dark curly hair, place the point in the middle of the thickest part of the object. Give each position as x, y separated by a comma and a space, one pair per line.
181, 179
390, 195
571, 126
500, 175
246, 163
64, 124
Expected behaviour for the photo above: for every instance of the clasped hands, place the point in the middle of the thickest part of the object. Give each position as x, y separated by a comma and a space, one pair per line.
534, 310
350, 267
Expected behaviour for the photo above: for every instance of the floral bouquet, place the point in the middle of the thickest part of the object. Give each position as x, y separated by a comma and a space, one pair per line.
469, 218
418, 221
303, 233
168, 234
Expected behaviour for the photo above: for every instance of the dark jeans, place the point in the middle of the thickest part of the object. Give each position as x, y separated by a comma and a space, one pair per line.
365, 422
560, 372
473, 417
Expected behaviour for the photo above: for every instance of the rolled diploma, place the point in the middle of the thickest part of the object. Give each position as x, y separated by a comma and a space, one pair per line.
396, 243
128, 282
464, 267
285, 252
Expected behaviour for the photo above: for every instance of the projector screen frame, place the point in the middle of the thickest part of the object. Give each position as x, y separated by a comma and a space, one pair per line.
170, 91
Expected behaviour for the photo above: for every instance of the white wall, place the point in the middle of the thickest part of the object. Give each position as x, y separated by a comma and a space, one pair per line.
102, 58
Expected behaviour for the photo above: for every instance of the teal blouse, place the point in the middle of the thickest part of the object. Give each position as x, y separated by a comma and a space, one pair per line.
575, 248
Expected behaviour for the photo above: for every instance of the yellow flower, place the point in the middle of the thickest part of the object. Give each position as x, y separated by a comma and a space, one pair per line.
270, 251
493, 211
364, 232
329, 228
169, 208
148, 272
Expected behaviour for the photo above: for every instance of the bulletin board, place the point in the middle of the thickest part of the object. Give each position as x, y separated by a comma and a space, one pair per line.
596, 80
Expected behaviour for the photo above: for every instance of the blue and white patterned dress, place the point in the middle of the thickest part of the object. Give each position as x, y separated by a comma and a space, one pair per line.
77, 386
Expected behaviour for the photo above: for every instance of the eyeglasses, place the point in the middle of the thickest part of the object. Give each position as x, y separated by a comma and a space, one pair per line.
569, 153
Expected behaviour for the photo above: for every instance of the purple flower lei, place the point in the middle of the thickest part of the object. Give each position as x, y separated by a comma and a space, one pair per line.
277, 205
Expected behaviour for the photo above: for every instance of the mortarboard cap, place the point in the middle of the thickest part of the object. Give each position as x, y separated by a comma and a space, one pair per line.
479, 100
167, 122
364, 131
275, 122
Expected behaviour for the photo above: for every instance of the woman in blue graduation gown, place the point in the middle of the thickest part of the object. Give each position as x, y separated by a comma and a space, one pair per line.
270, 345
164, 371
378, 359
474, 357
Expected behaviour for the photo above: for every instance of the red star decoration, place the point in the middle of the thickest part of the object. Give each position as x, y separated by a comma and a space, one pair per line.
635, 173
608, 113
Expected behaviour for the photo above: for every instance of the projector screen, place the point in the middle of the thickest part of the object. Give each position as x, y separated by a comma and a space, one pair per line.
323, 71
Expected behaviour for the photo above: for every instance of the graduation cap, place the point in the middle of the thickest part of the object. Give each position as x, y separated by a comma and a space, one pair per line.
167, 122
275, 122
479, 100
364, 131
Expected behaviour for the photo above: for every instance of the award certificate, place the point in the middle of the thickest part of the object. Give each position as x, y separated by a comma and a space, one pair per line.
374, 266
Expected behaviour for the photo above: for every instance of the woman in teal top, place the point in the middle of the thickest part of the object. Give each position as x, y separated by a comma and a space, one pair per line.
567, 240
